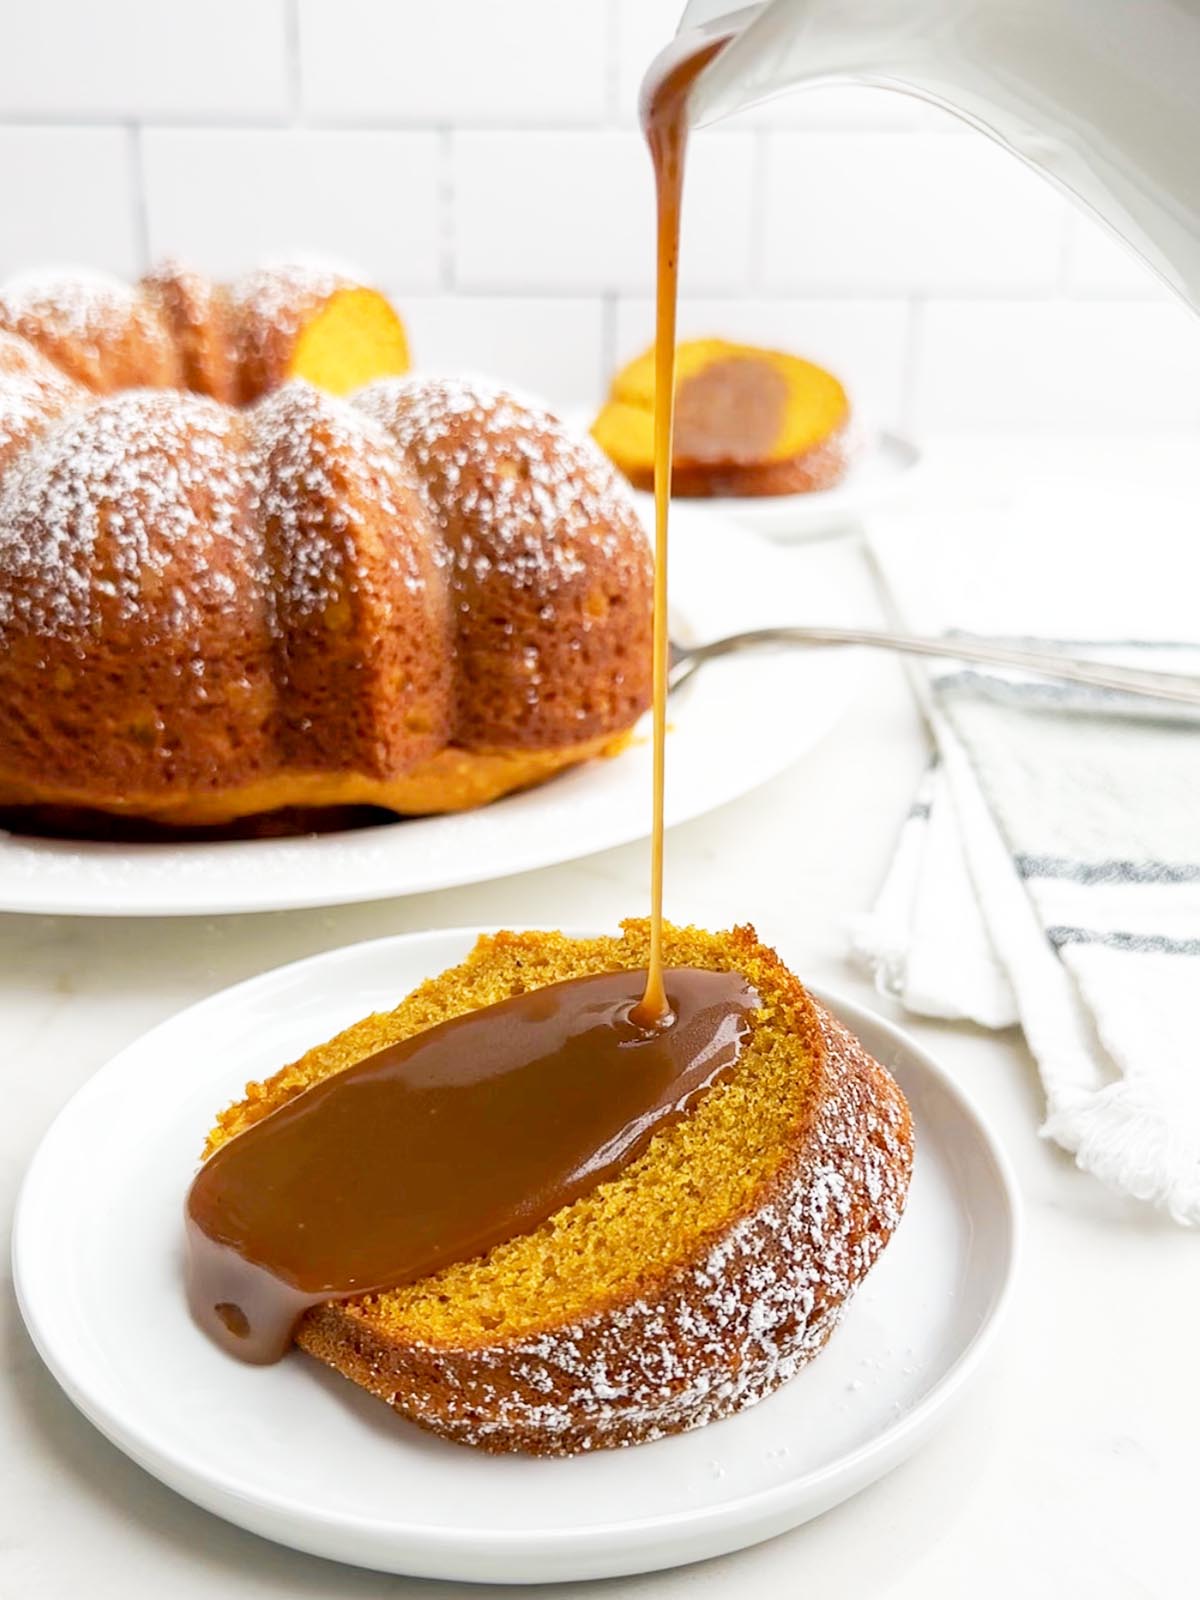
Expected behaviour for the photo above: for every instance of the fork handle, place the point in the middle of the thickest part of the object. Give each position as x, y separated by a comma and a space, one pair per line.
1173, 686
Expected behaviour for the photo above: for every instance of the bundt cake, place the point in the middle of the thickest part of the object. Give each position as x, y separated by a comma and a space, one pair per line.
689, 1286
747, 422
225, 593
179, 330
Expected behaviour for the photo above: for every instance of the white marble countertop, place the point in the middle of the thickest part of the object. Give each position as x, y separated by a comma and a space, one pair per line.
1070, 1468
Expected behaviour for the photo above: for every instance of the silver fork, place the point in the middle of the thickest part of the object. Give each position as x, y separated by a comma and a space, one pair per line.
1174, 686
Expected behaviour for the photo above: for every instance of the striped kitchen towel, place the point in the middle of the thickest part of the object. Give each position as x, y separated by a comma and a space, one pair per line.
1049, 871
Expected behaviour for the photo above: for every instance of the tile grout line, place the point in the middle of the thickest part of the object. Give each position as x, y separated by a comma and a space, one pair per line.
206, 121
321, 122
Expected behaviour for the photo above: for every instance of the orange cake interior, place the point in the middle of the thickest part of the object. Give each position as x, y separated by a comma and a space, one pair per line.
353, 338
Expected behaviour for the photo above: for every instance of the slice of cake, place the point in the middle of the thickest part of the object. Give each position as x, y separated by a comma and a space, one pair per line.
686, 1287
747, 422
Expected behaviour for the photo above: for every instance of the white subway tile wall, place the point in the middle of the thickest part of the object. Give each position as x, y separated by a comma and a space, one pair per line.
915, 213
464, 64
1102, 364
69, 195
480, 159
226, 198
142, 60
575, 211
542, 344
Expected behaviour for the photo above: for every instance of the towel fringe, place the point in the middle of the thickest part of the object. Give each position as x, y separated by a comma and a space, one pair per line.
1128, 1138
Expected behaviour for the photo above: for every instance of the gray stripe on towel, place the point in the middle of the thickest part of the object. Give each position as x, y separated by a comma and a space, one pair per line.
1138, 943
1107, 871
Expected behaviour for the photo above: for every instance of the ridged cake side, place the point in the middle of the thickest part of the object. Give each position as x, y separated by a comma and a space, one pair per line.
548, 566
420, 602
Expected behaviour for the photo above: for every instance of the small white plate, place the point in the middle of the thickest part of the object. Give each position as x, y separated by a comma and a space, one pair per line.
739, 722
301, 1456
881, 466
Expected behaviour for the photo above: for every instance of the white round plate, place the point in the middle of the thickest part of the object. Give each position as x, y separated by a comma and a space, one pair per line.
777, 707
299, 1455
882, 465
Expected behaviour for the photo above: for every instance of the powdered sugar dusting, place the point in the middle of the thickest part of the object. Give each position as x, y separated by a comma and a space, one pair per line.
269, 301
85, 307
32, 390
512, 489
191, 295
116, 501
314, 461
271, 293
268, 298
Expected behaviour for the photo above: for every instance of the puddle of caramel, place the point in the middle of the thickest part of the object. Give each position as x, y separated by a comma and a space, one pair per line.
437, 1148
732, 410
665, 124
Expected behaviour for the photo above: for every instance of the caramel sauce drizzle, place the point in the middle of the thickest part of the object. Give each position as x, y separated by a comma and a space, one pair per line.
474, 1131
665, 124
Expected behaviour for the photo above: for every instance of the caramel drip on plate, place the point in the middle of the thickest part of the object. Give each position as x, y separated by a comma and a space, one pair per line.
665, 124
435, 1149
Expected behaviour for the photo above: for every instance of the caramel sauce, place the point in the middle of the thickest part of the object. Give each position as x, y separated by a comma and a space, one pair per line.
665, 123
437, 1148
434, 1150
